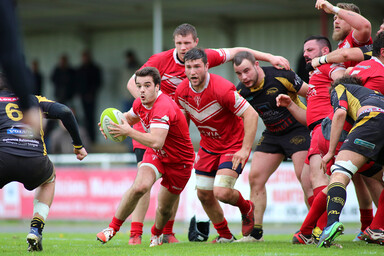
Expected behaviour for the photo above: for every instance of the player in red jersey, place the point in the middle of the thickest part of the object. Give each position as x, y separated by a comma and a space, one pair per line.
350, 28
172, 71
169, 153
227, 126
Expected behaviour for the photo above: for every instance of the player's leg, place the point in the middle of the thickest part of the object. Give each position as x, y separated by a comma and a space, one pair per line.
166, 204
168, 235
141, 209
302, 173
365, 204
41, 204
262, 167
346, 164
146, 176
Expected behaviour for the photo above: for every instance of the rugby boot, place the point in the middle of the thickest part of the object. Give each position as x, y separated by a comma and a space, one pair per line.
105, 235
248, 220
329, 234
34, 240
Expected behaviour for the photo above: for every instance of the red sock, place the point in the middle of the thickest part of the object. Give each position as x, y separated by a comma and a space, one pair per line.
378, 220
310, 200
116, 223
322, 221
366, 217
243, 204
318, 190
222, 229
155, 231
136, 228
168, 228
318, 207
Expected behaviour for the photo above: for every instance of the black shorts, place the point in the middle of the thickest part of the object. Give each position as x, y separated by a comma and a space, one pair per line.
30, 171
295, 140
367, 137
139, 152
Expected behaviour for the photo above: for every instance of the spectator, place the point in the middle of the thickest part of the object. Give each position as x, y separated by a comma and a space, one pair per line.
37, 77
63, 78
89, 82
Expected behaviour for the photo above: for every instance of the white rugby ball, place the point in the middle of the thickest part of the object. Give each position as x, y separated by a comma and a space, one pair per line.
114, 115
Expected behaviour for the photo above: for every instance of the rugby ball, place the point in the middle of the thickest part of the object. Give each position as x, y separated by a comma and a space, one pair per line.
114, 115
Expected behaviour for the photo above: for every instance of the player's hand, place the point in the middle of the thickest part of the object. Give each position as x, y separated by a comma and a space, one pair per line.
80, 153
325, 160
283, 100
280, 62
325, 5
102, 131
122, 129
240, 157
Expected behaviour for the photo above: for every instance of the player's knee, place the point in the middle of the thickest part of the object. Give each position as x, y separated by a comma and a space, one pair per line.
222, 194
164, 211
345, 167
205, 196
140, 189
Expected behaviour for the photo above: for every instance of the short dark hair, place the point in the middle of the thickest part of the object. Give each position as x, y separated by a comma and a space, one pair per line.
195, 54
378, 43
3, 82
349, 6
240, 56
184, 30
347, 79
322, 40
149, 71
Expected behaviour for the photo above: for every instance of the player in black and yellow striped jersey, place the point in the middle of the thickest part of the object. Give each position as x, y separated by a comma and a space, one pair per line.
364, 142
24, 157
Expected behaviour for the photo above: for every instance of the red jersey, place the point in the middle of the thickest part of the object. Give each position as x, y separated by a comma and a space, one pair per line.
172, 70
372, 73
318, 98
350, 42
166, 114
215, 111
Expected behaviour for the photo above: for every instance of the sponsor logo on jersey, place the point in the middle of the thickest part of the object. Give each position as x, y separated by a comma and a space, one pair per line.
197, 99
272, 91
22, 132
364, 143
8, 99
297, 140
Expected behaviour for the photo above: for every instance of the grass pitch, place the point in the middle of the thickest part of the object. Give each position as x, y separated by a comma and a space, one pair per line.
86, 244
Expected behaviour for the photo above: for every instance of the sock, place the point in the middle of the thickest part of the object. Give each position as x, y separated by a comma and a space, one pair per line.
335, 202
257, 231
243, 204
317, 190
366, 217
155, 231
168, 228
116, 224
38, 223
222, 229
317, 209
378, 220
322, 222
136, 228
310, 200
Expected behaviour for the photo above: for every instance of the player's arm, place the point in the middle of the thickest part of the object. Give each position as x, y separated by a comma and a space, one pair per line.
300, 114
55, 110
339, 56
303, 90
362, 26
338, 121
250, 119
338, 73
277, 61
154, 139
131, 86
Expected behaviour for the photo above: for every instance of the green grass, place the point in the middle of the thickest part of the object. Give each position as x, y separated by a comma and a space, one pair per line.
86, 244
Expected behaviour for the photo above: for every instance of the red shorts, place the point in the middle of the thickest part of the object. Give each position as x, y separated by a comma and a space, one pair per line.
174, 176
135, 144
207, 163
323, 145
314, 149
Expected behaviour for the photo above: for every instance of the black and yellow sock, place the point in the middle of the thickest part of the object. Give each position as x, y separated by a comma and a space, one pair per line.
38, 223
257, 231
335, 201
